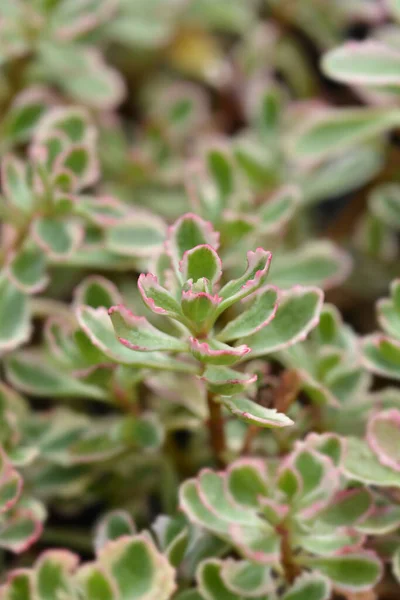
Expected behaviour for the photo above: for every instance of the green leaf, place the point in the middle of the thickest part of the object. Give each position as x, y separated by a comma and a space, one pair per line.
216, 353
27, 270
15, 185
384, 203
351, 572
318, 263
10, 484
112, 526
157, 298
366, 62
20, 531
19, 586
383, 437
57, 238
248, 579
96, 584
137, 333
221, 171
362, 465
396, 564
23, 115
381, 355
53, 571
262, 309
186, 233
276, 213
225, 381
96, 291
151, 577
201, 261
297, 314
255, 414
210, 582
347, 508
31, 373
15, 327
97, 325
330, 133
139, 235
309, 586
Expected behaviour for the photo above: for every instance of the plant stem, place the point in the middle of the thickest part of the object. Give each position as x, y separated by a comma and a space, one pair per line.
216, 428
291, 569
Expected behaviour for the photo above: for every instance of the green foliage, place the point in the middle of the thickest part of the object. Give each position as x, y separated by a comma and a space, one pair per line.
199, 300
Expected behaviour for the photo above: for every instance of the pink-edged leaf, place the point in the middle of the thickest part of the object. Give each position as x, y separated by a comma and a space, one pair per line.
191, 503
74, 122
255, 414
157, 298
257, 544
57, 238
105, 211
96, 291
216, 353
309, 586
381, 355
201, 262
383, 437
186, 233
10, 484
27, 270
15, 326
19, 585
199, 307
111, 526
138, 568
253, 278
137, 333
20, 531
53, 573
226, 382
95, 583
366, 62
247, 481
297, 314
210, 583
24, 113
247, 579
72, 19
81, 161
259, 310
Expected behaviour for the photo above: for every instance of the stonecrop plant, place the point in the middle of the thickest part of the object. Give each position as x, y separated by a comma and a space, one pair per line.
199, 300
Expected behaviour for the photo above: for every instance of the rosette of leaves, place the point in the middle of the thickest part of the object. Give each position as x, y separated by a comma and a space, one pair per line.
203, 340
53, 42
287, 519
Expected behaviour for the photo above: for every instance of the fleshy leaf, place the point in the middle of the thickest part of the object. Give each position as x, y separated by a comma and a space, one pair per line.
186, 233
140, 235
383, 437
347, 508
53, 573
381, 355
20, 531
253, 278
250, 580
211, 583
57, 238
351, 572
389, 311
247, 481
113, 525
278, 211
363, 63
362, 465
262, 309
216, 353
156, 297
15, 328
225, 381
201, 261
96, 584
152, 579
309, 586
137, 333
255, 414
199, 306
15, 185
27, 270
96, 291
10, 484
333, 132
298, 313
33, 374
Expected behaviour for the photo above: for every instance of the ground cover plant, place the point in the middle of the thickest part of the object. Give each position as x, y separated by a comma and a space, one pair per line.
199, 300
